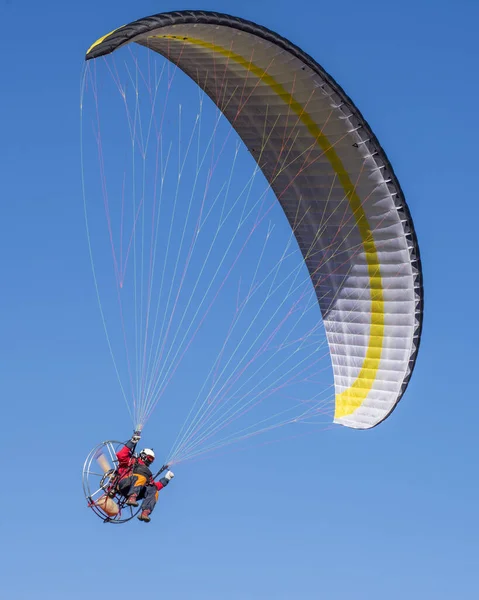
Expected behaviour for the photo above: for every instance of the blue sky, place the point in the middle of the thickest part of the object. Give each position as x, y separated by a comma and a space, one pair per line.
389, 513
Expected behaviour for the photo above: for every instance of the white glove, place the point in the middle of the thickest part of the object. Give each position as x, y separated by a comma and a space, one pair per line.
135, 438
169, 476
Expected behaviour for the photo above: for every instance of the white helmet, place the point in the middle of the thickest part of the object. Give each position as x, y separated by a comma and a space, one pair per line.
147, 455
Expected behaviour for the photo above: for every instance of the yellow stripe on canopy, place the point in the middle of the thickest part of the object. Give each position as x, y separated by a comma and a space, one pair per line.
352, 398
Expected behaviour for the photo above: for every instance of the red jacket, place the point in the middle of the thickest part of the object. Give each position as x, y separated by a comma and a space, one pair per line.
127, 462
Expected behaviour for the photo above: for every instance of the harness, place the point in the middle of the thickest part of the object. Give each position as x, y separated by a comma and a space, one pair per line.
141, 469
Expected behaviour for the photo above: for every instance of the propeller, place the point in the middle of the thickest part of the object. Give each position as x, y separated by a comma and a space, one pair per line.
103, 462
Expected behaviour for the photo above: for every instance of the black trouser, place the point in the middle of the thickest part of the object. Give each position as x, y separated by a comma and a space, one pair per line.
138, 485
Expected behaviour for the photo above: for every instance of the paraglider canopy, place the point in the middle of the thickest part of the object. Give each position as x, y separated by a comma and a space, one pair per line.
335, 185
